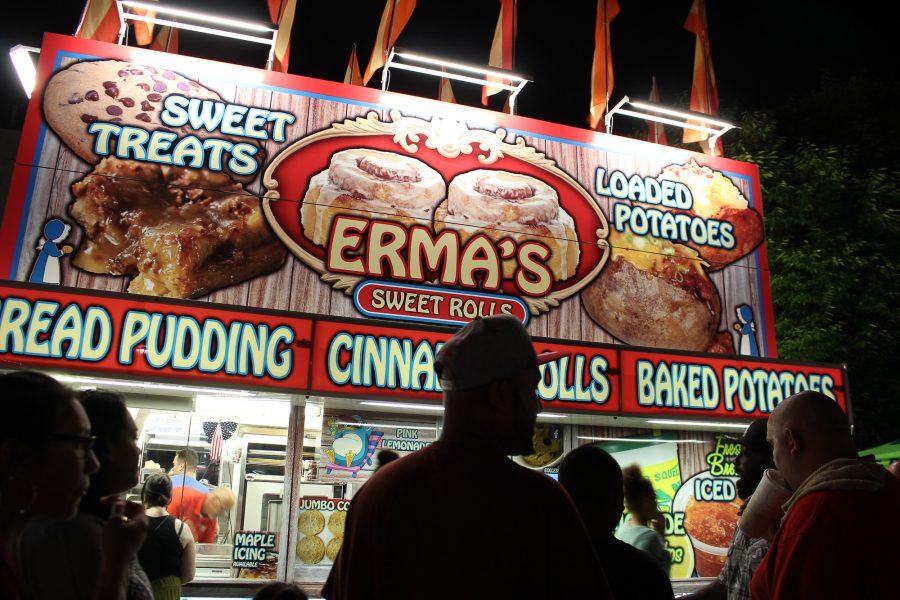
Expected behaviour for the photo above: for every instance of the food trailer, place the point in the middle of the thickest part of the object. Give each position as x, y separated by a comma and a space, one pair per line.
265, 265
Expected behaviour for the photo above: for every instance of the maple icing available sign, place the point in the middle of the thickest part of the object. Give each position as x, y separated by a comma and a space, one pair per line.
167, 176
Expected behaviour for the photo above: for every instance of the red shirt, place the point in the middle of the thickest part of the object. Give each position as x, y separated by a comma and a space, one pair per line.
188, 496
458, 521
835, 544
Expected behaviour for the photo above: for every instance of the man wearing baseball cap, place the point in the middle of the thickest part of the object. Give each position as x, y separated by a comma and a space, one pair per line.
458, 518
745, 553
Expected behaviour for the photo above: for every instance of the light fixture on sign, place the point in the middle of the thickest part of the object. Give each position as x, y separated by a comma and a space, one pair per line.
678, 118
23, 62
697, 423
546, 415
405, 60
127, 12
591, 438
389, 425
91, 382
434, 407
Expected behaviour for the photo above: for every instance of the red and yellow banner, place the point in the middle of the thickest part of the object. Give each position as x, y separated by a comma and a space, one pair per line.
704, 91
118, 335
394, 18
602, 70
502, 46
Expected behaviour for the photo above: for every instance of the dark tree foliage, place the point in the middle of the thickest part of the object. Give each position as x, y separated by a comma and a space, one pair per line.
831, 192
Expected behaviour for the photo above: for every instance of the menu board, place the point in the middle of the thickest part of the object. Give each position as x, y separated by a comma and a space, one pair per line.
165, 176
320, 529
255, 554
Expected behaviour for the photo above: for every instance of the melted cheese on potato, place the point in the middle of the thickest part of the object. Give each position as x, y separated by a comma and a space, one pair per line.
710, 189
650, 254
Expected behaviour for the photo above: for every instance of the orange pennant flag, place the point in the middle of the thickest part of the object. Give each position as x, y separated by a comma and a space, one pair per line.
99, 21
704, 92
502, 47
445, 91
394, 18
165, 39
281, 12
352, 75
143, 32
656, 132
602, 73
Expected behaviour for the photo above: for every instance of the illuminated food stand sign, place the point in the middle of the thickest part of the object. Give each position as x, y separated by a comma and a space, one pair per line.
174, 219
169, 177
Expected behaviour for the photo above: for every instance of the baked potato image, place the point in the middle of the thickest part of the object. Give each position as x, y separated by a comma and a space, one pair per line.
716, 197
654, 293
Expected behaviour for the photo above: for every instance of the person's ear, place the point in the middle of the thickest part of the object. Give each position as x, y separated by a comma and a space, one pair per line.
500, 395
793, 441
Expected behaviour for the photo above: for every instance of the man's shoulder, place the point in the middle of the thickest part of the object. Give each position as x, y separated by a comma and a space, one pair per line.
623, 561
832, 511
628, 554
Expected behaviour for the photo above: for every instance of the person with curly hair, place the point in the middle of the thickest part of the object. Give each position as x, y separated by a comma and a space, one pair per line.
645, 525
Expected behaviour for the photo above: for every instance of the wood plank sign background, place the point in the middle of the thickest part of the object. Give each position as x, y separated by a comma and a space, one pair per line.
168, 176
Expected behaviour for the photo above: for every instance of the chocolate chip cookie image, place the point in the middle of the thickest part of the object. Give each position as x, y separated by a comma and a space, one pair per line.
114, 91
178, 232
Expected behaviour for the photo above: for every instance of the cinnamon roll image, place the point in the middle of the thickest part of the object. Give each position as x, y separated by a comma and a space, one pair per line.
373, 184
502, 205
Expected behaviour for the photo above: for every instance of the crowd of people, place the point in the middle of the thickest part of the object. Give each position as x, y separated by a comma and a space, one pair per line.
817, 520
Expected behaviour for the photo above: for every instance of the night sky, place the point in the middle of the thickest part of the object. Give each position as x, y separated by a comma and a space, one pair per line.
763, 52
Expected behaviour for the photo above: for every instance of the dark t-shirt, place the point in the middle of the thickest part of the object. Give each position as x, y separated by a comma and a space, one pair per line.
632, 574
462, 521
160, 554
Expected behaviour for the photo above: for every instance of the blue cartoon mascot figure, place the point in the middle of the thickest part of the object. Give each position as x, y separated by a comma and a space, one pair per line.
746, 328
46, 266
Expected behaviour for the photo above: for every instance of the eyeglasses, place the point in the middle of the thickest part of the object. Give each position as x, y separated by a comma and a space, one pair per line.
83, 442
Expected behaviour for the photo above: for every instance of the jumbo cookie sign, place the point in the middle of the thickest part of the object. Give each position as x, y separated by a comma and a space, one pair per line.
174, 177
431, 221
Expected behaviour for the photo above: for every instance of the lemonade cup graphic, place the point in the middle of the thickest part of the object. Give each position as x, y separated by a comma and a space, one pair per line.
710, 522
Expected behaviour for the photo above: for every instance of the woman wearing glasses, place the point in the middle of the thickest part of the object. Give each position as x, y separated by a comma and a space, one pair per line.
84, 557
45, 461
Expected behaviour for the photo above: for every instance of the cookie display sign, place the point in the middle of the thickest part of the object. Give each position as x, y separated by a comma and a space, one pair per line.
320, 527
168, 176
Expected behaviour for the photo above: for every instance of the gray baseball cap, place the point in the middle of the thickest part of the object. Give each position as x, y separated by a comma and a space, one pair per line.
485, 350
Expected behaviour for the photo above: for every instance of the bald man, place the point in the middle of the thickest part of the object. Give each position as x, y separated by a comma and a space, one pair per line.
839, 535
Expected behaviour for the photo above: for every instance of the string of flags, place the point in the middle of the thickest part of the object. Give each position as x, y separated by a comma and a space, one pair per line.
99, 21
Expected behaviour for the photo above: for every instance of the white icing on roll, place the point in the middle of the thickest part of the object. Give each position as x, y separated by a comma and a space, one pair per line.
398, 181
491, 196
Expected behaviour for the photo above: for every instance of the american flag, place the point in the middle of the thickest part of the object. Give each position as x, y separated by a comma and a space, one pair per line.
215, 444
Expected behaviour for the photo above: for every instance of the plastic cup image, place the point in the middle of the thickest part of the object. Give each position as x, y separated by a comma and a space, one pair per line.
763, 512
709, 520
